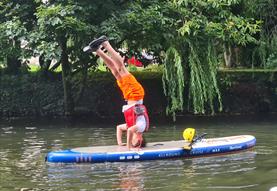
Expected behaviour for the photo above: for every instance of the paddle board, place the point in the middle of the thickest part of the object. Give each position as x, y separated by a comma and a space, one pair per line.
153, 151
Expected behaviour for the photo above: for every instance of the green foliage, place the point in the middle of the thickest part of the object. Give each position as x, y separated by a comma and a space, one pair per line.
29, 95
144, 25
154, 68
11, 32
33, 95
207, 24
272, 61
16, 20
56, 22
203, 82
60, 19
54, 30
189, 34
215, 19
197, 30
12, 37
173, 87
263, 54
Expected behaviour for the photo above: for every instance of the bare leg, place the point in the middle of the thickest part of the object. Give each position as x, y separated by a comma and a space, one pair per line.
119, 61
109, 62
119, 130
114, 54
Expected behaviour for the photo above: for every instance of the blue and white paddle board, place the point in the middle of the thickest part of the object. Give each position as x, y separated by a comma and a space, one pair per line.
153, 151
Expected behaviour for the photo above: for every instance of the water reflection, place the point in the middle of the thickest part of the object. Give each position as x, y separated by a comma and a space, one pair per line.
225, 164
181, 174
111, 176
221, 172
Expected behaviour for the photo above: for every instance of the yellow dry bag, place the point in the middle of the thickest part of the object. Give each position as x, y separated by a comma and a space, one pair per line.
189, 134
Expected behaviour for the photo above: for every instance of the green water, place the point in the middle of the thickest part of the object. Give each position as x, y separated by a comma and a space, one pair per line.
24, 145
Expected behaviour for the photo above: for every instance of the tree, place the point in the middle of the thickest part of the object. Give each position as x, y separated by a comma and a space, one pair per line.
63, 28
263, 53
59, 27
16, 18
188, 36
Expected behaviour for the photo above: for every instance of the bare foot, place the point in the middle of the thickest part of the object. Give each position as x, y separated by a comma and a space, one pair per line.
122, 144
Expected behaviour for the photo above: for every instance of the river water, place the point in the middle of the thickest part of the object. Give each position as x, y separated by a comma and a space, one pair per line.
24, 144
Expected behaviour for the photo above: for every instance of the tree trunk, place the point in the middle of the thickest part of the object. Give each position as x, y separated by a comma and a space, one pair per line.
13, 65
44, 65
13, 62
228, 56
82, 85
231, 56
237, 56
66, 76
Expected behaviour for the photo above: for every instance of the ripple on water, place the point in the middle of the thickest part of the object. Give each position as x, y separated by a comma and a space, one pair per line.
264, 150
30, 128
156, 175
22, 163
8, 130
233, 187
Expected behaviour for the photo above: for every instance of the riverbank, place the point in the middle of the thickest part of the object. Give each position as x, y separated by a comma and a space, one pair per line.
34, 95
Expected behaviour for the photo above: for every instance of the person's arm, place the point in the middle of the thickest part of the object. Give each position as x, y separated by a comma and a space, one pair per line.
119, 130
130, 134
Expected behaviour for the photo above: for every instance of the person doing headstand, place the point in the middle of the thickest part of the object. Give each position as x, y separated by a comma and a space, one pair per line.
135, 113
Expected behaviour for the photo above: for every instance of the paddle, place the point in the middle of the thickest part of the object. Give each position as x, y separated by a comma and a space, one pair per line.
198, 138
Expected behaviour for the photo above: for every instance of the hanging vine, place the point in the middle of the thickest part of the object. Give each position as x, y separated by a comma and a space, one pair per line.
203, 87
173, 85
202, 27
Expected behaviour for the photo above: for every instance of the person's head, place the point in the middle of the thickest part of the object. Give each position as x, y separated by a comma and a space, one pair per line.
143, 143
138, 140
